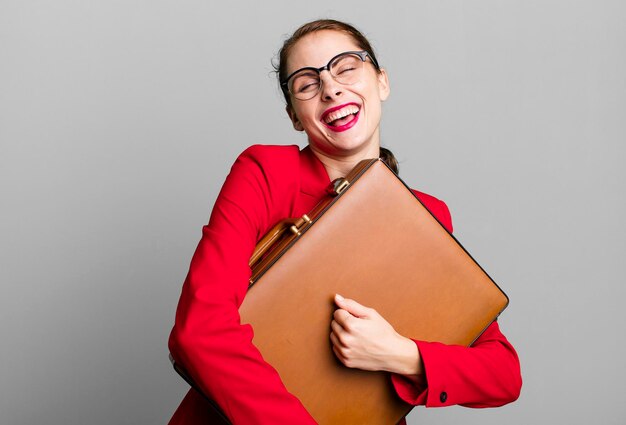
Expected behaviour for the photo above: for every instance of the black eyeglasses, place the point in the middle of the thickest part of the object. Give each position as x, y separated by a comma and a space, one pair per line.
345, 68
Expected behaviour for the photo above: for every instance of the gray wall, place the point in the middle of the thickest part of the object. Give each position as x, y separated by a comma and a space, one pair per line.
119, 121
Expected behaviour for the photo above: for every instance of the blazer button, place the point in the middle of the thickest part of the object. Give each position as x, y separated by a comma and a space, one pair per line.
443, 396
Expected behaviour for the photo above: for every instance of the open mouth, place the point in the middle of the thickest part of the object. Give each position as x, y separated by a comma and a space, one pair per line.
341, 117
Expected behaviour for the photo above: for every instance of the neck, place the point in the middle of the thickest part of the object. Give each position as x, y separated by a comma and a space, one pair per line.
340, 166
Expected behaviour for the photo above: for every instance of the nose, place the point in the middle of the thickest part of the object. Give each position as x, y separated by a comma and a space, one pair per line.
330, 87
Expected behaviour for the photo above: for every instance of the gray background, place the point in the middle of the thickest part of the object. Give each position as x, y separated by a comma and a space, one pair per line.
119, 121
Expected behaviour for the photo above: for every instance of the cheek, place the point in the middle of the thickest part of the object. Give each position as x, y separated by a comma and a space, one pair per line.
369, 91
306, 113
373, 101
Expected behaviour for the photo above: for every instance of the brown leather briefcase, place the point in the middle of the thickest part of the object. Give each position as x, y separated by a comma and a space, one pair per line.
371, 240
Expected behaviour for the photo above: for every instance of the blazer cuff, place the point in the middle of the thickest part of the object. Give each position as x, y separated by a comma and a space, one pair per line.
435, 392
438, 394
409, 391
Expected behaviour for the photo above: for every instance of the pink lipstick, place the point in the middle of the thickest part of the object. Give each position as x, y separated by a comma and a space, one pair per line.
343, 116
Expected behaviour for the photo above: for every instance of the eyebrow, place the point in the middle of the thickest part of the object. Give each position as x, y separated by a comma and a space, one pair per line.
309, 70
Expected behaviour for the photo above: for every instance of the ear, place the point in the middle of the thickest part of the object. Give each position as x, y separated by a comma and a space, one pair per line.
294, 118
383, 85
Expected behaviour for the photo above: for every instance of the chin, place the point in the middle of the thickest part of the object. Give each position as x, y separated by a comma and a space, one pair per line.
348, 147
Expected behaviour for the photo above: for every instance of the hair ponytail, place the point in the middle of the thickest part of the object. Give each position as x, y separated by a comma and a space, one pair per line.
388, 158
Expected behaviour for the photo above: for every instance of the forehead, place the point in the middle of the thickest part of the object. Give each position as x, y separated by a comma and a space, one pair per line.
317, 48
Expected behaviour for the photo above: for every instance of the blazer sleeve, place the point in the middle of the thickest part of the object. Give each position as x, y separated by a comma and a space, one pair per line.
486, 374
208, 338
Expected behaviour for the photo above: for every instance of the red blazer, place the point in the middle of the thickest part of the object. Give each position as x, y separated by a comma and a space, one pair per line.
265, 185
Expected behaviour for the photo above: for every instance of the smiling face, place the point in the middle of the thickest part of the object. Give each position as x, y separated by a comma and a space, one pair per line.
341, 121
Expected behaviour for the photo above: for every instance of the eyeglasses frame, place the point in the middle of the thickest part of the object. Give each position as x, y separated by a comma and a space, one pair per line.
362, 54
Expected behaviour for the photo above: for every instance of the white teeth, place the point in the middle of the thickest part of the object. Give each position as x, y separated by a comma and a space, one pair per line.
341, 113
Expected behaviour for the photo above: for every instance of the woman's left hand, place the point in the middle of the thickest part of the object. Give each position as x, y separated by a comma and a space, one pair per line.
363, 339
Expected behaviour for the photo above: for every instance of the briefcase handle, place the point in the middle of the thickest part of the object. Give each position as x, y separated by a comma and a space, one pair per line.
294, 224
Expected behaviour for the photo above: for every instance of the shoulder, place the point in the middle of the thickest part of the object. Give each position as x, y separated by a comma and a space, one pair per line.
266, 156
269, 167
264, 182
437, 207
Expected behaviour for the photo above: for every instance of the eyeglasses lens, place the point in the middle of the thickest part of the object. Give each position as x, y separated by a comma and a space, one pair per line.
305, 84
345, 69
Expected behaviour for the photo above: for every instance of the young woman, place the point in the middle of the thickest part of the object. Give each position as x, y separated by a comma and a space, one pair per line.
334, 89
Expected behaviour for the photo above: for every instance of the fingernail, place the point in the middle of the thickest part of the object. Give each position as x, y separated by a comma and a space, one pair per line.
339, 297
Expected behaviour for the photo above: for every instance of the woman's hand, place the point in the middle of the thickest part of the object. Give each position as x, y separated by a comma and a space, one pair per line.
363, 339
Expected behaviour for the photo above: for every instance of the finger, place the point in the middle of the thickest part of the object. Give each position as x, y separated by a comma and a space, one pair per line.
336, 327
339, 356
335, 340
342, 317
339, 333
353, 307
347, 362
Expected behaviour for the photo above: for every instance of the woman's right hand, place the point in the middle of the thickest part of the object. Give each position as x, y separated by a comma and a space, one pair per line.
363, 339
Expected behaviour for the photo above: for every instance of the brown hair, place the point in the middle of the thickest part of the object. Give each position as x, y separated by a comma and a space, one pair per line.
328, 24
